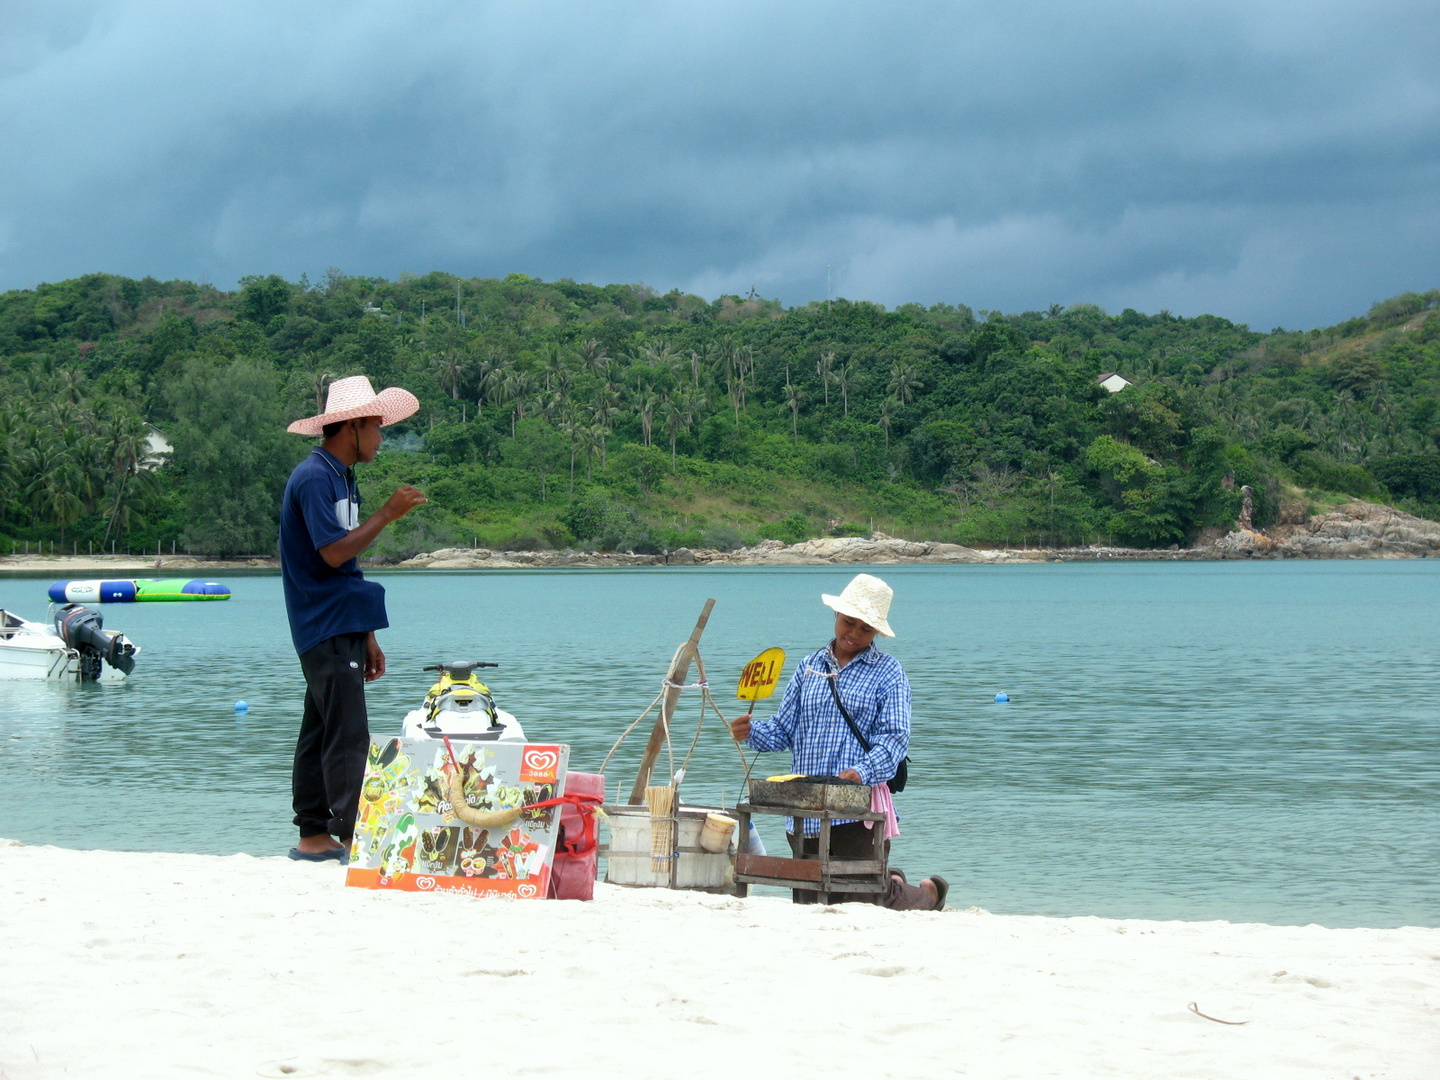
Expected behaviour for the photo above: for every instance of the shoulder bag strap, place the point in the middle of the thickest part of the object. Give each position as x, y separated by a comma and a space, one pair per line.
841, 706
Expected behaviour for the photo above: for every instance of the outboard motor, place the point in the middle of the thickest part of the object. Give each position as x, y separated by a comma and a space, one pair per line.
81, 629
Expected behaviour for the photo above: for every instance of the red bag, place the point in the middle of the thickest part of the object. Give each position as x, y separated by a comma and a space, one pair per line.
577, 854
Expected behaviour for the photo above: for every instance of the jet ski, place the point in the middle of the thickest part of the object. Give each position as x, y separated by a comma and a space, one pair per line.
460, 706
75, 645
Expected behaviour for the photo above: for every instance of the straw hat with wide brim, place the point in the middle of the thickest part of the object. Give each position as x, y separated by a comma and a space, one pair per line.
866, 598
348, 399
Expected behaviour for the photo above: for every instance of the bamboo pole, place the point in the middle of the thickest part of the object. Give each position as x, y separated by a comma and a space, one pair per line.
679, 671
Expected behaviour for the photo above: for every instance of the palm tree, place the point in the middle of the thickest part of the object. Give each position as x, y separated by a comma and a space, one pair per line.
823, 368
604, 407
678, 417
86, 454
559, 376
660, 356
72, 385
125, 445
593, 357
742, 360
549, 403
592, 438
844, 377
733, 390
1345, 425
887, 415
904, 381
484, 363
746, 357
572, 428
9, 442
794, 398
646, 401
451, 362
702, 359
316, 377
54, 478
492, 384
516, 389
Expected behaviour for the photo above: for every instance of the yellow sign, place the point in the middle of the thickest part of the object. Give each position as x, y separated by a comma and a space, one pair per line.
760, 675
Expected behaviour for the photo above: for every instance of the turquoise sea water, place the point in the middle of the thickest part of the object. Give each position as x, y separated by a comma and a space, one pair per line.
1243, 741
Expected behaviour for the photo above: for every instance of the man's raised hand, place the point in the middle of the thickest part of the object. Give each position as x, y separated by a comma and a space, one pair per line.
403, 501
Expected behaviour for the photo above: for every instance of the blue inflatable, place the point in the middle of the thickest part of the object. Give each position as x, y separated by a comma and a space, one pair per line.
136, 591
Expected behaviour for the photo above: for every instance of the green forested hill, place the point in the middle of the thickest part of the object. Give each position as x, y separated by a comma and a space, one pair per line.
560, 414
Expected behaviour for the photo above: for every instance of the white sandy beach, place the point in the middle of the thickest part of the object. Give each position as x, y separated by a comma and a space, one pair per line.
130, 965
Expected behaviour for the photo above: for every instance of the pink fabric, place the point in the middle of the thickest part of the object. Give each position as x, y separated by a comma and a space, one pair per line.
572, 877
881, 803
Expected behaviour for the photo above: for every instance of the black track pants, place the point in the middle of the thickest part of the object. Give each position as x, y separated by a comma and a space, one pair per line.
334, 738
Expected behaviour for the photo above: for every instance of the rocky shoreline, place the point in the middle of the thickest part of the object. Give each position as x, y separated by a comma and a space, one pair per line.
1354, 530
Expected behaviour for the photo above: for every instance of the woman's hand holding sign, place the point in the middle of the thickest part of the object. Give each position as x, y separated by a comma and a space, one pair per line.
756, 681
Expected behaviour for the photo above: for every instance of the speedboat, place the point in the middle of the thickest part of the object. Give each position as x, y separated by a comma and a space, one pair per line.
74, 645
460, 706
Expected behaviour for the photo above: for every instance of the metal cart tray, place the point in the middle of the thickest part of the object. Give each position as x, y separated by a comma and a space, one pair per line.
806, 795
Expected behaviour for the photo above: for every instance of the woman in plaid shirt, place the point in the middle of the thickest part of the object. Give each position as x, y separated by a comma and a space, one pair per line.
873, 687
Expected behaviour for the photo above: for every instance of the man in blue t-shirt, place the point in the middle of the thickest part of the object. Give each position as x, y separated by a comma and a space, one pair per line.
334, 612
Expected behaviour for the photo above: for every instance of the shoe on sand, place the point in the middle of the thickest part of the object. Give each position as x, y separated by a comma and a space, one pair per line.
333, 855
942, 890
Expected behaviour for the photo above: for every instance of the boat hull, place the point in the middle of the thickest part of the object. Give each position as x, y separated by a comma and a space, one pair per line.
417, 725
21, 661
30, 650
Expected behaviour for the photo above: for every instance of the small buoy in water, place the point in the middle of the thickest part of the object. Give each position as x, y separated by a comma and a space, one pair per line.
241, 707
1001, 698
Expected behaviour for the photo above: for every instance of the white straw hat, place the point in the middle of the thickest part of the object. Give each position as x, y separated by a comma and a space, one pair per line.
866, 598
348, 399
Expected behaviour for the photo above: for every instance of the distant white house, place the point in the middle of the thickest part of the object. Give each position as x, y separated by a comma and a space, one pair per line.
1113, 382
157, 449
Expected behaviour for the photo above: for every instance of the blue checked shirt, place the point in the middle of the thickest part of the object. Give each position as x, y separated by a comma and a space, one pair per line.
876, 693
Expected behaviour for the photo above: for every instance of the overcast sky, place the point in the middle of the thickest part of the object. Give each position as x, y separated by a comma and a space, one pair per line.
1277, 163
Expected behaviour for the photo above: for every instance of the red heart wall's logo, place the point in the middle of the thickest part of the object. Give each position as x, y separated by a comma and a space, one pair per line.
424, 884
539, 764
526, 891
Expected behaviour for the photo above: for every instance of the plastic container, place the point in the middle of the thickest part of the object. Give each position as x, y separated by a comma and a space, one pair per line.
715, 836
628, 861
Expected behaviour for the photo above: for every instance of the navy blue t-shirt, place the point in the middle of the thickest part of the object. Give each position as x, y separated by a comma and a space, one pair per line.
322, 505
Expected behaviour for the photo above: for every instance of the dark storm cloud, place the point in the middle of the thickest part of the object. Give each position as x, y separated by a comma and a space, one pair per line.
1273, 162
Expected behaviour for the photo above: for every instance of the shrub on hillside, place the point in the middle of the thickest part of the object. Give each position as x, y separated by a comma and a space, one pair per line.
790, 530
1316, 470
595, 518
722, 536
1409, 476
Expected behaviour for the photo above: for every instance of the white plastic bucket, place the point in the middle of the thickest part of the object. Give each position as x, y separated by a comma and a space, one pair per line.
628, 861
715, 836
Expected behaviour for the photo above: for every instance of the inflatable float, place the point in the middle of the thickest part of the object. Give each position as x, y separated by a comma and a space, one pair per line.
136, 590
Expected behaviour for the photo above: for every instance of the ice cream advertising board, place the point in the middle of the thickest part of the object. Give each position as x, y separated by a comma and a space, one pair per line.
459, 818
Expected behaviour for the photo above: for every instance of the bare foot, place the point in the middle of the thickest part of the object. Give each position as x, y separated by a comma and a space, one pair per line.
318, 845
